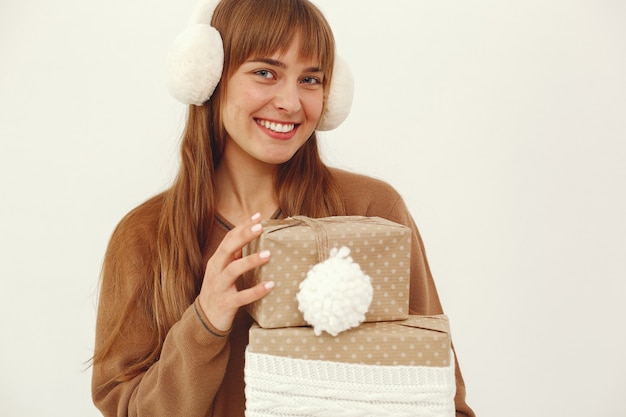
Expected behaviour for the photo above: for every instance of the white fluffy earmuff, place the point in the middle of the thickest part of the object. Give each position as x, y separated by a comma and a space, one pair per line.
196, 60
340, 96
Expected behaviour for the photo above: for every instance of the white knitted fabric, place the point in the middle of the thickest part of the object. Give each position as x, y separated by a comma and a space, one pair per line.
285, 387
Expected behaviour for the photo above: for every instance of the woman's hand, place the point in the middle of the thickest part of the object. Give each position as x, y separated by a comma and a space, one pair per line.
219, 297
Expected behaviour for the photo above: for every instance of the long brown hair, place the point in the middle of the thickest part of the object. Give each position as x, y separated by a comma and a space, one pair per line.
303, 185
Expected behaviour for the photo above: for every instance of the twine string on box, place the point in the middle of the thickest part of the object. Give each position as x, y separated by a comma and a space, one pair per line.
321, 236
336, 293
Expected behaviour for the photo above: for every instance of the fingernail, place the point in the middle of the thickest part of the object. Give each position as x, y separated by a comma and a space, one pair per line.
256, 216
264, 254
269, 285
256, 227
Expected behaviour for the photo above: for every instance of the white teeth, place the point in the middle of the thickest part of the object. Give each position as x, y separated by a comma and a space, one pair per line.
277, 127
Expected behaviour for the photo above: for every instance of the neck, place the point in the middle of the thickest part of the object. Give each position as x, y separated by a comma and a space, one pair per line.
245, 189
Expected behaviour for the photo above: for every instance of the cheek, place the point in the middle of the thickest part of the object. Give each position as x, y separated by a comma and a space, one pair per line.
236, 93
314, 105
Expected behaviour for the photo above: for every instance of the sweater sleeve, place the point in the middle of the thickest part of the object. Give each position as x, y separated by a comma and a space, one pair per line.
186, 377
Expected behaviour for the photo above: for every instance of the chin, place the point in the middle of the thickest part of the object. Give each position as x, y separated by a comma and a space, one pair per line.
278, 159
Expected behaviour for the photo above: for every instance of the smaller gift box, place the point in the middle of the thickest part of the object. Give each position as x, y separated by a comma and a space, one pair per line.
380, 247
400, 369
416, 341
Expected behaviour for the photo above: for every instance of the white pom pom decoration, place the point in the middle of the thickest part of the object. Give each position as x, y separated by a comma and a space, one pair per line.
336, 294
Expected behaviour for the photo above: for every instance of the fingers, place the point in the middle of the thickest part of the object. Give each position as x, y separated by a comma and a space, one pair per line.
219, 297
237, 268
230, 247
226, 265
240, 266
255, 293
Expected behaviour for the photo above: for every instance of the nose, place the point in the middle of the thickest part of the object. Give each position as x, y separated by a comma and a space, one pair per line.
287, 97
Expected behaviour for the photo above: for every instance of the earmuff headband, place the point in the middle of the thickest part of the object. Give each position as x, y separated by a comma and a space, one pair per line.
196, 61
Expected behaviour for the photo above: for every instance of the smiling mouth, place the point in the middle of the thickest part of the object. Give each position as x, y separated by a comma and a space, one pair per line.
276, 127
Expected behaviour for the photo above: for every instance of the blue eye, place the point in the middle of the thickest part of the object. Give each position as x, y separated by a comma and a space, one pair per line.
311, 80
264, 73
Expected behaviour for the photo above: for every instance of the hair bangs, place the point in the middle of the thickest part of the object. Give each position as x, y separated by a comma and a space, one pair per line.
261, 28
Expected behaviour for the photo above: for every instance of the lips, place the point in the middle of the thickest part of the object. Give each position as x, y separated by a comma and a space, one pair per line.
276, 126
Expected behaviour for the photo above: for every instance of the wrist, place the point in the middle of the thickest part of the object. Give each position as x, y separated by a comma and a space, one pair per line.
216, 329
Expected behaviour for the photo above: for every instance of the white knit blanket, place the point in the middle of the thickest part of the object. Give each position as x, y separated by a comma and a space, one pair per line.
284, 387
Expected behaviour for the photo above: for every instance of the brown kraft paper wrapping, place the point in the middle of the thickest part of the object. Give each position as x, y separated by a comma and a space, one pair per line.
382, 249
416, 341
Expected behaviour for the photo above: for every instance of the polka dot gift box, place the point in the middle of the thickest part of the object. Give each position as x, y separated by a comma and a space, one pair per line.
401, 368
378, 249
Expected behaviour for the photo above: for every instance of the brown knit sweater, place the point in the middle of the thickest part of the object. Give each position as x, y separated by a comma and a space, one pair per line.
200, 369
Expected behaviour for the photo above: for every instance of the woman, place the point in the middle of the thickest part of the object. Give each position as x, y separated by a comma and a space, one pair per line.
170, 335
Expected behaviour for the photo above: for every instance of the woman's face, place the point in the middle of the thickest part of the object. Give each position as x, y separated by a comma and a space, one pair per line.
272, 106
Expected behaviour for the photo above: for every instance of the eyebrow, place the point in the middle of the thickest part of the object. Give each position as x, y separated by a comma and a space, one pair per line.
280, 64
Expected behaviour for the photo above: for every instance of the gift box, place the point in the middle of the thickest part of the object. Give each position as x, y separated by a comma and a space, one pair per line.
401, 368
416, 341
380, 247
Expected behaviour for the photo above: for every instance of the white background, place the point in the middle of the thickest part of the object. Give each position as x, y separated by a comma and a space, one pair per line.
502, 123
